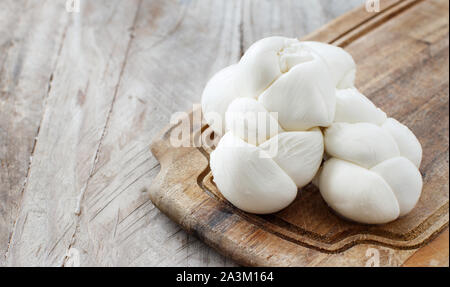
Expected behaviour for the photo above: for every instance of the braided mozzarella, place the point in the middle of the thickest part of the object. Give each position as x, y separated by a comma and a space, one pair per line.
276, 75
371, 173
372, 176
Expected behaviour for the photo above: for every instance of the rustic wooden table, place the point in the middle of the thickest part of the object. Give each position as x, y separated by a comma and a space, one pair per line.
81, 97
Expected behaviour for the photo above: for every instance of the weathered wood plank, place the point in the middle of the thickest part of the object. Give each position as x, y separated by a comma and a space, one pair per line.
83, 90
289, 18
341, 25
434, 254
31, 34
177, 45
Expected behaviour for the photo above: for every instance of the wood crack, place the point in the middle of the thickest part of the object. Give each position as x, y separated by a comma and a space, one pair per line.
33, 148
241, 34
97, 152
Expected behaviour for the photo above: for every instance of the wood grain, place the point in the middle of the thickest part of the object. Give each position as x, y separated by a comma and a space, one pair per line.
81, 97
31, 35
402, 55
119, 225
434, 254
82, 92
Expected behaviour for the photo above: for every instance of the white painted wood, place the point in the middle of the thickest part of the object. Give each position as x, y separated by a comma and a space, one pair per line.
119, 70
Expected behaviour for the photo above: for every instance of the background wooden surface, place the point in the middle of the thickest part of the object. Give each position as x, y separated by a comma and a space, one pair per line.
81, 97
402, 58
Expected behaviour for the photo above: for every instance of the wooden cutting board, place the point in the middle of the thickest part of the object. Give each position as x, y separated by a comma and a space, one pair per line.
403, 67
